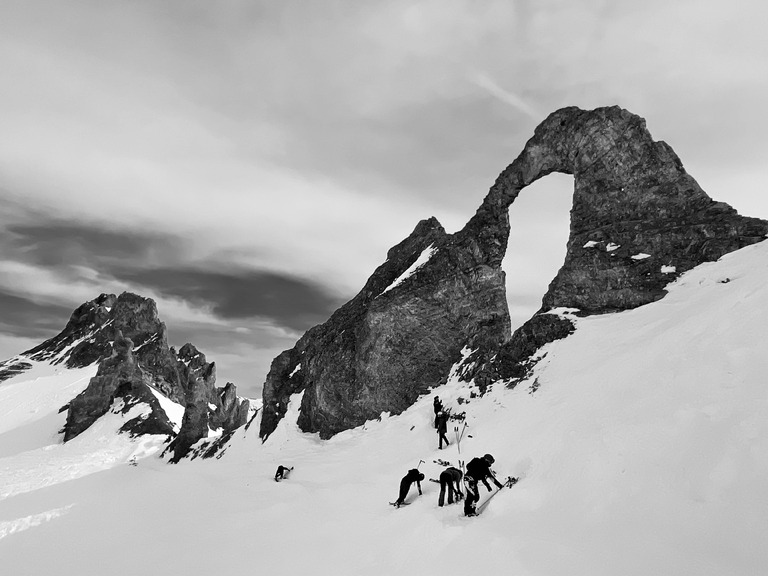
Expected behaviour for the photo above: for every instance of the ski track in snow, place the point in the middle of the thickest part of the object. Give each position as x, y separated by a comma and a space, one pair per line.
20, 524
643, 449
97, 448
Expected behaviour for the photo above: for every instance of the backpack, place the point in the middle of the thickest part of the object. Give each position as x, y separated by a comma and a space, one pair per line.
477, 468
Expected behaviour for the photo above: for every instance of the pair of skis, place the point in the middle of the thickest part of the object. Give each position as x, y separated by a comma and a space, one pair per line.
460, 435
508, 483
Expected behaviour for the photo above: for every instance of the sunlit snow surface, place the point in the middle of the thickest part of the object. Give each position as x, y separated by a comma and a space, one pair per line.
643, 450
423, 258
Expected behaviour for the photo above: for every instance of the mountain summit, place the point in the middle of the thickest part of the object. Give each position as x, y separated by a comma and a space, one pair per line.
124, 336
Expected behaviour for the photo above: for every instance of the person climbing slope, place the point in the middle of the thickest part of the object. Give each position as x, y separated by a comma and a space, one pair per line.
450, 478
478, 470
282, 473
405, 485
438, 407
441, 423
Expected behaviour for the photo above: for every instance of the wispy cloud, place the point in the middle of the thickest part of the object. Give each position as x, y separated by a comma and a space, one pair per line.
485, 82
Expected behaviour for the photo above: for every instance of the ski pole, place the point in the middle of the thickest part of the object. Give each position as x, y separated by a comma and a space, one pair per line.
463, 430
420, 463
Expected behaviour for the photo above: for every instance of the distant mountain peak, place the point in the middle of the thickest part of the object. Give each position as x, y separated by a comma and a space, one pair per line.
125, 337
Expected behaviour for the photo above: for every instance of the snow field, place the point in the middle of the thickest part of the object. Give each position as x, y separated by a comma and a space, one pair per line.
644, 450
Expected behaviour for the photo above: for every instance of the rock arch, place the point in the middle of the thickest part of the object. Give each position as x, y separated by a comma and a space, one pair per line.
635, 210
637, 220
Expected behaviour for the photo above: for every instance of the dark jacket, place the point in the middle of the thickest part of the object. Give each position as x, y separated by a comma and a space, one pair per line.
413, 476
442, 422
451, 474
479, 470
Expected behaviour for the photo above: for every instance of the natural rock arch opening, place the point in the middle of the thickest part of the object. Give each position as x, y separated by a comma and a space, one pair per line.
539, 227
637, 220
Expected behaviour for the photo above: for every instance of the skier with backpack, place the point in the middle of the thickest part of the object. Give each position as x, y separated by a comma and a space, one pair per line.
450, 478
405, 485
478, 470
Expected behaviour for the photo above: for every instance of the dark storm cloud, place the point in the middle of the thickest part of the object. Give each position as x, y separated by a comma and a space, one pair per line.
289, 301
54, 244
149, 261
28, 319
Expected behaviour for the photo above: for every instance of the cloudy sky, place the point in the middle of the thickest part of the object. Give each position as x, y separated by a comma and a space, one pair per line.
248, 163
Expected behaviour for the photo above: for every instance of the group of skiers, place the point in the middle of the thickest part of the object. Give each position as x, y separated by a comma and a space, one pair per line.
478, 470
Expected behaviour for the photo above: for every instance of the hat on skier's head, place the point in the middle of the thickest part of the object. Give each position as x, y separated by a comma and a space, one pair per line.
488, 458
421, 476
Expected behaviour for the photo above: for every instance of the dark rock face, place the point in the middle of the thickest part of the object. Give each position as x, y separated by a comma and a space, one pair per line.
12, 367
125, 335
636, 212
638, 221
398, 337
231, 410
82, 333
118, 376
98, 332
206, 407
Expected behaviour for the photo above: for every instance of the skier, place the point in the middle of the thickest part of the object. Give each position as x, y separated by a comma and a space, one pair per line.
441, 422
282, 473
450, 478
438, 406
405, 485
478, 470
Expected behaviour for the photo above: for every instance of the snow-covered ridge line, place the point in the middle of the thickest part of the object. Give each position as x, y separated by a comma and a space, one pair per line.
423, 258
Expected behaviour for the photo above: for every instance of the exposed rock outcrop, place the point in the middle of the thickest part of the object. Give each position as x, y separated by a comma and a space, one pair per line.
118, 377
12, 367
126, 337
207, 408
398, 337
638, 221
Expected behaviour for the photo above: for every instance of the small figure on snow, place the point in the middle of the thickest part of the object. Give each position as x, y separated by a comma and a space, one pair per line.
441, 422
450, 478
405, 485
438, 406
282, 473
478, 470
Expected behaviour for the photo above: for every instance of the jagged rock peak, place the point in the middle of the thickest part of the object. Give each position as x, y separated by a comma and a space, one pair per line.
118, 377
125, 336
397, 338
90, 331
192, 358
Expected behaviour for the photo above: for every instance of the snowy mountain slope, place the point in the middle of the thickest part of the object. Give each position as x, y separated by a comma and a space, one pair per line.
641, 439
32, 455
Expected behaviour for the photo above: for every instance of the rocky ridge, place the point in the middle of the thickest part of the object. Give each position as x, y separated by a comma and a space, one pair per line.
125, 336
435, 294
638, 221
